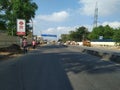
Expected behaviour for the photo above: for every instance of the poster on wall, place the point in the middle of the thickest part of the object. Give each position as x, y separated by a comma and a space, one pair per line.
21, 27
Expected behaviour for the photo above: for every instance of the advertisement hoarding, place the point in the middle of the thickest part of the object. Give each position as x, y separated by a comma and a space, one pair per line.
21, 27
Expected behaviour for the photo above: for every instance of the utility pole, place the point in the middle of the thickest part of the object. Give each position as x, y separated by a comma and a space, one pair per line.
95, 16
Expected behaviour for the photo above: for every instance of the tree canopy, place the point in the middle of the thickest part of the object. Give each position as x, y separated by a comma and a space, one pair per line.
105, 31
82, 33
10, 10
116, 36
79, 34
76, 35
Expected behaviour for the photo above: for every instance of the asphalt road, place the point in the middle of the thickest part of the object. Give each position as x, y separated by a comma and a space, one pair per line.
59, 68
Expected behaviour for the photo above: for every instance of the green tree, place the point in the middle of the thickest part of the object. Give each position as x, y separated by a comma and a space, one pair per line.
64, 37
97, 31
79, 34
116, 36
105, 31
2, 18
108, 32
17, 9
2, 25
72, 35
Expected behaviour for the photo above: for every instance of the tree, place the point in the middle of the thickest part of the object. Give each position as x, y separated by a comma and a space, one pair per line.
2, 18
105, 31
79, 34
108, 32
64, 37
116, 36
97, 31
72, 35
2, 25
17, 9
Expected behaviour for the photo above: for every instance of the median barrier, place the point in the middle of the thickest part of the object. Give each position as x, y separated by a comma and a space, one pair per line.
103, 54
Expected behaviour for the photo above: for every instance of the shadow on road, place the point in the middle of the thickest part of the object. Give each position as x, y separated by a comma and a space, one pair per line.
80, 62
41, 69
76, 62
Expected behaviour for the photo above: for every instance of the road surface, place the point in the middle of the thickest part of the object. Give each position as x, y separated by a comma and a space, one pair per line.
59, 68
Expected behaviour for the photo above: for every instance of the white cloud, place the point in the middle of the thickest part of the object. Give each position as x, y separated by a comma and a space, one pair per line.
105, 7
58, 30
49, 31
112, 24
65, 30
55, 17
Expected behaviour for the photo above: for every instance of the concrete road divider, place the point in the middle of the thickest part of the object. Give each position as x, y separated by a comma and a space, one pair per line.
105, 54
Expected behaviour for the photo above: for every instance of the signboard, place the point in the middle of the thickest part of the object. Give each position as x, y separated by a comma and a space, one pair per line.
48, 35
100, 37
20, 27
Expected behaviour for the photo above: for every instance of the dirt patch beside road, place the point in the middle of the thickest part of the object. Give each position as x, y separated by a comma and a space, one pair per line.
10, 52
8, 55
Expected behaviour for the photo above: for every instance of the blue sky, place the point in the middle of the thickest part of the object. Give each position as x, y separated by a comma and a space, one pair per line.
61, 16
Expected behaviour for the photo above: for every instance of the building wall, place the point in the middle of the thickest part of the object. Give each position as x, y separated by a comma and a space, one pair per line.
103, 43
100, 43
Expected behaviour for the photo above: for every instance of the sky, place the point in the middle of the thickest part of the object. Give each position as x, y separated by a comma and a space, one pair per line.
61, 16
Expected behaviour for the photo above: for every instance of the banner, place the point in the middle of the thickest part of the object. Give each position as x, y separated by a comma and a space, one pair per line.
20, 27
48, 35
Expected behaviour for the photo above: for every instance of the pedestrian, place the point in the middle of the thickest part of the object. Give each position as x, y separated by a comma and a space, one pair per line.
33, 44
24, 45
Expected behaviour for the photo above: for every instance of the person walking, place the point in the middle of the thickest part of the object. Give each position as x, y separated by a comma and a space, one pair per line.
24, 44
33, 44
